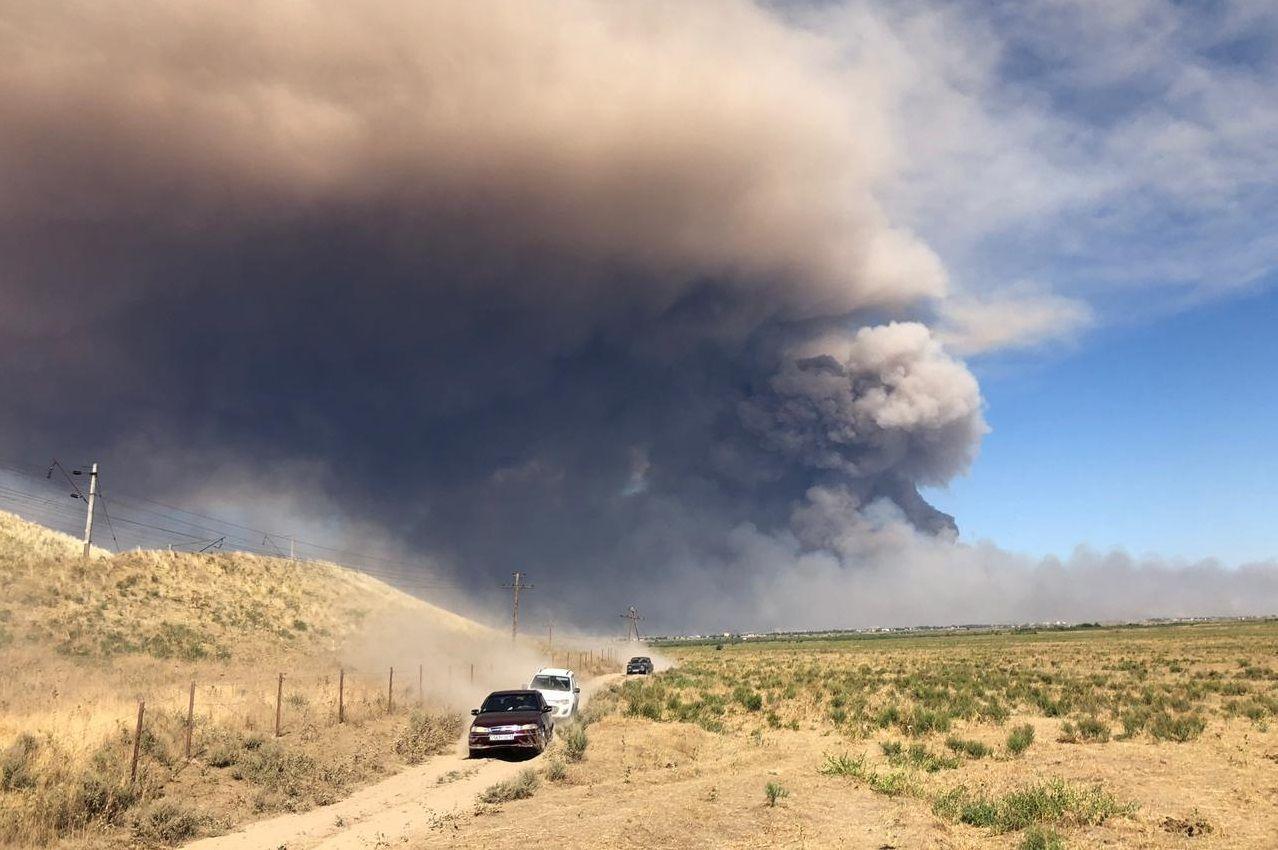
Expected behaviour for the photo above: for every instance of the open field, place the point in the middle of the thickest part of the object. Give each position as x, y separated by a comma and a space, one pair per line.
1158, 737
1144, 737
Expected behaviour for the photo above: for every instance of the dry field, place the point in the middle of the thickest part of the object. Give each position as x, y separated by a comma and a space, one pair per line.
1157, 737
82, 642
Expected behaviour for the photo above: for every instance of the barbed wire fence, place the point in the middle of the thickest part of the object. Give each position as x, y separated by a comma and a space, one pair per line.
275, 704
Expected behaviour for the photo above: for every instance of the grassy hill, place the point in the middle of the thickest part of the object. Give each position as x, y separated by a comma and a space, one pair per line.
184, 606
83, 640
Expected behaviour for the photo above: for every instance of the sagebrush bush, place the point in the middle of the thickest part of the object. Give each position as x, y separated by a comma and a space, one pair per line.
523, 785
167, 821
1040, 838
1176, 727
774, 791
1089, 730
49, 793
1020, 738
575, 742
968, 747
425, 734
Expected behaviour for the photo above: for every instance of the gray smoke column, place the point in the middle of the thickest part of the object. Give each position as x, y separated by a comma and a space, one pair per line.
596, 290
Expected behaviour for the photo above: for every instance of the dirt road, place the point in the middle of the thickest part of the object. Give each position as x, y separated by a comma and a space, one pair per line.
408, 804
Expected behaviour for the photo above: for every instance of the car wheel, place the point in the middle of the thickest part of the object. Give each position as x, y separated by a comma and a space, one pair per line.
476, 754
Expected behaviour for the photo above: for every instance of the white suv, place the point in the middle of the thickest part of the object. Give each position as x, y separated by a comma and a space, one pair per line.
559, 689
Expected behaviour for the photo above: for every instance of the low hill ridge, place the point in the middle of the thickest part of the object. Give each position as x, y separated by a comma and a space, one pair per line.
185, 606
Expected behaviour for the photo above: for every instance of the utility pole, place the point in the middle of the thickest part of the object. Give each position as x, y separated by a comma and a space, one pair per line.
550, 638
517, 585
88, 521
632, 627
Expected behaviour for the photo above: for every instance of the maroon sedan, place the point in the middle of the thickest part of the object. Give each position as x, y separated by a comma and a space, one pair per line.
511, 720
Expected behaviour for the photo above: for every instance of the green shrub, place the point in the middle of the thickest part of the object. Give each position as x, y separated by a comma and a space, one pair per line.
1038, 838
1089, 730
968, 747
1020, 738
575, 742
843, 765
917, 756
891, 784
1051, 802
556, 771
887, 716
775, 791
923, 721
1176, 727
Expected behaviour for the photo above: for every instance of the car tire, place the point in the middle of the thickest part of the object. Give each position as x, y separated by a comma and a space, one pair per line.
476, 754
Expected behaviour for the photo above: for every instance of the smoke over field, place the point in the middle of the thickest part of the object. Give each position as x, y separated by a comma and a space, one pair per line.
597, 291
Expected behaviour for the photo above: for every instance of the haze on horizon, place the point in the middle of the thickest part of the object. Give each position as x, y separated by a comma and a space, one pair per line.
667, 304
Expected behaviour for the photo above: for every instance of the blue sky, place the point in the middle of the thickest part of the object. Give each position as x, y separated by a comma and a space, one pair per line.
1101, 183
1156, 437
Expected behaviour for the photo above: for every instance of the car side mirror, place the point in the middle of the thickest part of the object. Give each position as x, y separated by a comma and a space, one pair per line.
576, 690
474, 712
545, 708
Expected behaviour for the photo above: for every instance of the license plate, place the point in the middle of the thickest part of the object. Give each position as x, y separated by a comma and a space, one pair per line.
501, 737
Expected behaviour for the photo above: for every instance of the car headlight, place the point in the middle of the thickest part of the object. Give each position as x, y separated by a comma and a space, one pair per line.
528, 727
479, 730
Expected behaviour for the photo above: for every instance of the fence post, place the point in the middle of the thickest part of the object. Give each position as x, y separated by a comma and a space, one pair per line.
190, 720
472, 672
341, 695
390, 693
137, 742
279, 700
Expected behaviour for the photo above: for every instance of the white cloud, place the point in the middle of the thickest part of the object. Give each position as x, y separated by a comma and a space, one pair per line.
1023, 316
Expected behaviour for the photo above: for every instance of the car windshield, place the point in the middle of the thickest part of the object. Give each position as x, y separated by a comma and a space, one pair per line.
638, 659
511, 702
551, 683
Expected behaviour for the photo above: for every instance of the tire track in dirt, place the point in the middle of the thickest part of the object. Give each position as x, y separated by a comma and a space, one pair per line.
409, 803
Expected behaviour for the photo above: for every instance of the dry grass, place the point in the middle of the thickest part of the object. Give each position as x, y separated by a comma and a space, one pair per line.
81, 641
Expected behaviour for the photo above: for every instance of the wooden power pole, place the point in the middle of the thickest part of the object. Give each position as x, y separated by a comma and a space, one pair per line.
632, 626
517, 585
88, 520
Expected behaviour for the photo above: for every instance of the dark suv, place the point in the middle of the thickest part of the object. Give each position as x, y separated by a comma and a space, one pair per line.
640, 664
511, 720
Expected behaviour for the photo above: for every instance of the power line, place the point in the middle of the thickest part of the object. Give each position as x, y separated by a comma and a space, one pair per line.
110, 526
49, 507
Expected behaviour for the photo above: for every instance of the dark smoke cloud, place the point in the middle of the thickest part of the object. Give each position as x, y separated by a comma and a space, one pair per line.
596, 290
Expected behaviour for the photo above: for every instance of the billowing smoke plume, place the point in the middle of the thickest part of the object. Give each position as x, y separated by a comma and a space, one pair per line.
596, 290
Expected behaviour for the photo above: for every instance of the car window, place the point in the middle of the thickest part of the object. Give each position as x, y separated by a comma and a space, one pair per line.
551, 683
512, 702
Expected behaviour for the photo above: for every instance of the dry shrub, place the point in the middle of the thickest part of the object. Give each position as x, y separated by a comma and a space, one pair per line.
425, 735
518, 788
